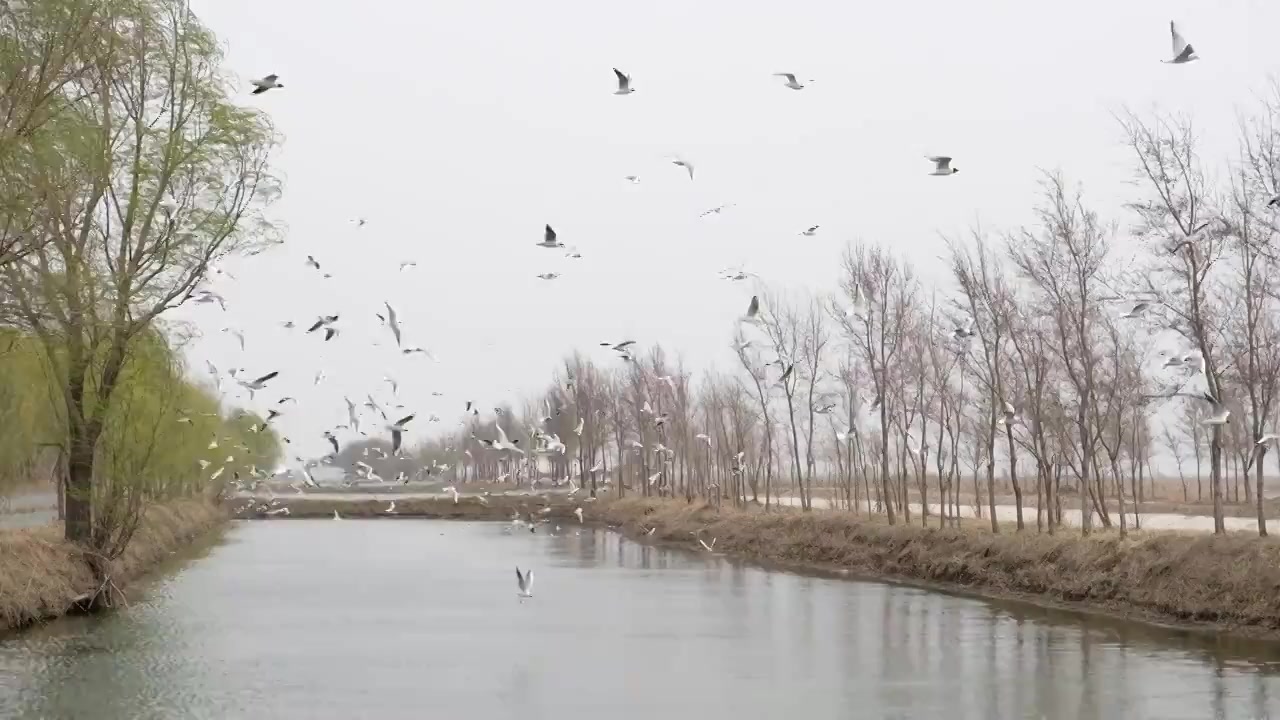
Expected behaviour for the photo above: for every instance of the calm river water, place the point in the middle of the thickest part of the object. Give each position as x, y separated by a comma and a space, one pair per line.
417, 619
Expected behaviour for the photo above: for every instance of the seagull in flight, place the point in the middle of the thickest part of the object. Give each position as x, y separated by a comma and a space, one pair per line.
1221, 416
549, 239
269, 82
684, 164
524, 583
236, 334
1136, 310
209, 296
312, 262
791, 81
393, 322
549, 276
397, 433
942, 165
323, 321
578, 513
408, 264
716, 210
753, 310
333, 440
258, 384
624, 83
635, 180
353, 417
810, 232
1182, 50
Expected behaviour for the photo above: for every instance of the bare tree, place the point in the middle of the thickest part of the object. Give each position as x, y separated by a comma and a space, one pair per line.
1182, 280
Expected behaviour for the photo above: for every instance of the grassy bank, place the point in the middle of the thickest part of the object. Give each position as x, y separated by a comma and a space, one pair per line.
1227, 582
41, 574
494, 507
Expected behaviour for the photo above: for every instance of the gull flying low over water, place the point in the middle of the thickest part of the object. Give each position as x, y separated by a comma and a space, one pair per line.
624, 83
524, 583
942, 165
269, 82
791, 81
1182, 50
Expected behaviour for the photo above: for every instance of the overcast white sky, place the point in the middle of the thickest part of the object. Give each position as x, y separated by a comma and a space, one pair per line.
458, 128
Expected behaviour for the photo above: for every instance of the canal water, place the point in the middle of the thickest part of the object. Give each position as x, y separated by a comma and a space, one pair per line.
420, 619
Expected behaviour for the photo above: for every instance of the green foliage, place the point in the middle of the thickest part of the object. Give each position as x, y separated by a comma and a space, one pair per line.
157, 428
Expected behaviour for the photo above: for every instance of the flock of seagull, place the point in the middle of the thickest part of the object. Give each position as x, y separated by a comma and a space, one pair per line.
327, 325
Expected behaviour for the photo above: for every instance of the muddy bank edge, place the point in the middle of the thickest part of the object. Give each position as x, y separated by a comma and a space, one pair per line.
1226, 583
41, 574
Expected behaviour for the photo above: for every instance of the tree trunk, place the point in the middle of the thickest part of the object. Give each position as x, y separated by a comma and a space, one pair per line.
1262, 517
1013, 476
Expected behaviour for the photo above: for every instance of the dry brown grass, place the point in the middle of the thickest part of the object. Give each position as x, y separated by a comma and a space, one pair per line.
1228, 581
41, 574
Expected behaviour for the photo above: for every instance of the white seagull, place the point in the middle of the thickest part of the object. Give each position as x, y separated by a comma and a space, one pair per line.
624, 83
269, 82
684, 164
1221, 416
1182, 50
942, 165
393, 322
397, 433
810, 232
549, 276
524, 583
1136, 310
578, 513
791, 81
635, 180
549, 239
258, 384
391, 508
753, 310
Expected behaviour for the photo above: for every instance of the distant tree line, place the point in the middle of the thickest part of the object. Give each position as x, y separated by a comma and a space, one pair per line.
1064, 354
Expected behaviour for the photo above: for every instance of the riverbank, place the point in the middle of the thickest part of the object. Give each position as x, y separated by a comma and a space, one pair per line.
1212, 582
441, 507
41, 574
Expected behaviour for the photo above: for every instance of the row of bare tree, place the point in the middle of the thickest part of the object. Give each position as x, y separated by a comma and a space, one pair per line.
1062, 355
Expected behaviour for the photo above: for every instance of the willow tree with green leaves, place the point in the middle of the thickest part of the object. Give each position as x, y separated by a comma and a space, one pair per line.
45, 47
148, 176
